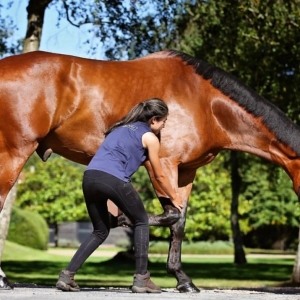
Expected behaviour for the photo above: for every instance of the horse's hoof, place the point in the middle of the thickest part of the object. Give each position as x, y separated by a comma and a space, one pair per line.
187, 287
5, 284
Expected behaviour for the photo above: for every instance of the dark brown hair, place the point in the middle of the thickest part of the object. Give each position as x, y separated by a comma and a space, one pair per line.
143, 112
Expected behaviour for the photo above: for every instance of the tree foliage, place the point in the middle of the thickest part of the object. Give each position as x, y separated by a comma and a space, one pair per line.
125, 29
270, 195
53, 190
257, 41
6, 32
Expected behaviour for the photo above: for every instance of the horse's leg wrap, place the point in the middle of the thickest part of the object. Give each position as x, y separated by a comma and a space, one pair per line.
4, 283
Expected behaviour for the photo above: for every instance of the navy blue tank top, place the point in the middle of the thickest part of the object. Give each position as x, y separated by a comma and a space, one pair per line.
122, 151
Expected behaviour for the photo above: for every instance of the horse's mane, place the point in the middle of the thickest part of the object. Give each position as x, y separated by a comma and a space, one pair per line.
277, 122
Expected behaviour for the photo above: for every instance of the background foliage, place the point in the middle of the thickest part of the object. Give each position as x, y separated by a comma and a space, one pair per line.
53, 189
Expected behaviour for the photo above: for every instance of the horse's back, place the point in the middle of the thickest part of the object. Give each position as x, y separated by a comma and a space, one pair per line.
67, 102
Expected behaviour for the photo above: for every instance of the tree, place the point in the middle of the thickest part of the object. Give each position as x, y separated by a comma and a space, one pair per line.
274, 207
257, 41
239, 253
35, 17
125, 29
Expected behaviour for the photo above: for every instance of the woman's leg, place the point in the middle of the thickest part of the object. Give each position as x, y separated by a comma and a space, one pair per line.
105, 186
128, 200
96, 203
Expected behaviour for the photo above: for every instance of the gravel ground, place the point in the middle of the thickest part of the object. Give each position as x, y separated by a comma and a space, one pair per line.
34, 292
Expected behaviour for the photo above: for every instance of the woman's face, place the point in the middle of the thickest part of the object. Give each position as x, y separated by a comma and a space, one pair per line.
157, 125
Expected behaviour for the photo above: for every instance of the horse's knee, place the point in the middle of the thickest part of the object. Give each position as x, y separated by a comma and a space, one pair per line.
171, 215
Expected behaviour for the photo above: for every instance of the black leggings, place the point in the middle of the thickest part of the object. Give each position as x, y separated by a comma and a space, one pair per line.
98, 187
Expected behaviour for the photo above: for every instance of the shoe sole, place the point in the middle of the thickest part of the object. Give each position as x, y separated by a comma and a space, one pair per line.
136, 289
65, 287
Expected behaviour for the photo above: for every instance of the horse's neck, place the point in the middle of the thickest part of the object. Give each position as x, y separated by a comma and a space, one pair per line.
248, 133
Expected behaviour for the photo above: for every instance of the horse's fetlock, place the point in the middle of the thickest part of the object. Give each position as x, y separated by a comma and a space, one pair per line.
172, 269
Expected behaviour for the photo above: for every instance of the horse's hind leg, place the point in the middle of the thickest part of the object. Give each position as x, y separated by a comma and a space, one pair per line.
11, 164
10, 169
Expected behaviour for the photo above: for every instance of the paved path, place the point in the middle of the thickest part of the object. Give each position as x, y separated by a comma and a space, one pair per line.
47, 293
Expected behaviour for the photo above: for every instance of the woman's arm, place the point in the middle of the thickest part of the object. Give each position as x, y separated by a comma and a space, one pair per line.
151, 142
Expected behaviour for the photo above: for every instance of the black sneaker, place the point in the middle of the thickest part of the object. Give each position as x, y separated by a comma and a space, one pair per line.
66, 282
143, 284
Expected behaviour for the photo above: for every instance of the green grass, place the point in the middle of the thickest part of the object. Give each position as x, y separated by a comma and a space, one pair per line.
25, 265
218, 247
207, 247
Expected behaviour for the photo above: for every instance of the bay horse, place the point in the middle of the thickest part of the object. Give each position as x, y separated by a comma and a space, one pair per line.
62, 104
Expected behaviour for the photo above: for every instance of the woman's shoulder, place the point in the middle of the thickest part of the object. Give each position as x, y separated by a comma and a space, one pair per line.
150, 138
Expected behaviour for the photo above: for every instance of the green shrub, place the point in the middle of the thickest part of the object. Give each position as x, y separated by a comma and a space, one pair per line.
28, 229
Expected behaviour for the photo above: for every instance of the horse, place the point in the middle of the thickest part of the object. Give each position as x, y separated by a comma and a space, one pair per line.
54, 103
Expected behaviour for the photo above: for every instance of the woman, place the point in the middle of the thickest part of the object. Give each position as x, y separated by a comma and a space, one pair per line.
128, 143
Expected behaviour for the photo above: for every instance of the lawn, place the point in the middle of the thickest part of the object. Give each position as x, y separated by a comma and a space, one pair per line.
25, 265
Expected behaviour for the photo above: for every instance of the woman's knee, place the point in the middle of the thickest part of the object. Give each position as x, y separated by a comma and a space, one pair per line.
101, 234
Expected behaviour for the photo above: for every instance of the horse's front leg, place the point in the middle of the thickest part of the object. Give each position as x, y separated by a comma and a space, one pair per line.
184, 179
174, 219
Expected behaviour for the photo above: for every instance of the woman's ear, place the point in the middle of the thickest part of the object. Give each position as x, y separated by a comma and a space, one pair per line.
153, 120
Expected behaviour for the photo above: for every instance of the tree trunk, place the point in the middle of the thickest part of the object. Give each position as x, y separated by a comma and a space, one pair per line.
239, 254
296, 269
56, 235
36, 11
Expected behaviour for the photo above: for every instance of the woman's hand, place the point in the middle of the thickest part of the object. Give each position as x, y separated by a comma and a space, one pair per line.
177, 202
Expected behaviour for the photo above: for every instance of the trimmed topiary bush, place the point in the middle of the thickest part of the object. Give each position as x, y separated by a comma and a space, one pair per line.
28, 229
